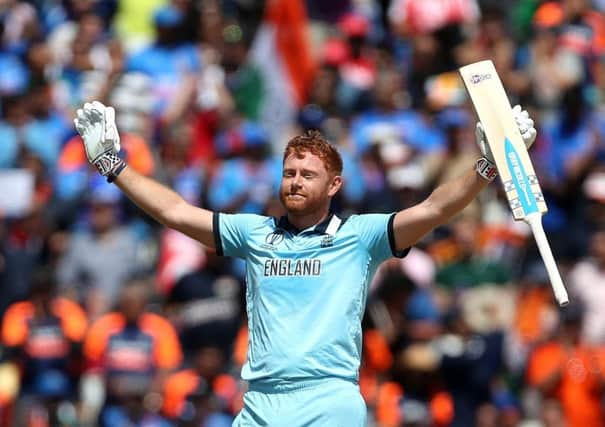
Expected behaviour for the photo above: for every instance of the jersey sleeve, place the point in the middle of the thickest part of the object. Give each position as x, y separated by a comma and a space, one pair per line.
376, 232
232, 232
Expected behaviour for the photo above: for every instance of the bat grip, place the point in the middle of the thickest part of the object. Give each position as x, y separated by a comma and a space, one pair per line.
535, 222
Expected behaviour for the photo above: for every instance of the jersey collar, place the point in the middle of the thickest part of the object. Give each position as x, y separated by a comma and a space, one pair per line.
329, 226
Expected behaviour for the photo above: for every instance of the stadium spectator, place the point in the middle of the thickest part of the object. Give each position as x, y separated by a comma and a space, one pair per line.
205, 306
565, 369
245, 148
96, 281
170, 62
462, 264
133, 351
203, 394
586, 282
43, 336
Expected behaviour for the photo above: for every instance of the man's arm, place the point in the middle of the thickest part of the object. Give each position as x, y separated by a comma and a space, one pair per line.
166, 206
450, 198
96, 124
411, 224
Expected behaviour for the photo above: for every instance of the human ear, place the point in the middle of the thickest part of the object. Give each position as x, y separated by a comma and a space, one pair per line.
335, 185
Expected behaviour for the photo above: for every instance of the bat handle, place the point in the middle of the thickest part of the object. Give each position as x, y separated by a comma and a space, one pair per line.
535, 222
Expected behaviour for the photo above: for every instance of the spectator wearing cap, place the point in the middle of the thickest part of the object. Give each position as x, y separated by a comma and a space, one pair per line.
170, 62
97, 279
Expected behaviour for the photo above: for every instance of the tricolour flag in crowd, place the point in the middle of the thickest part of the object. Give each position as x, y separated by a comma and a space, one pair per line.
281, 52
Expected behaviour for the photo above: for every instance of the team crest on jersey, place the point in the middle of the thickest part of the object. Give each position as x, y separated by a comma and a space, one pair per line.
273, 239
327, 241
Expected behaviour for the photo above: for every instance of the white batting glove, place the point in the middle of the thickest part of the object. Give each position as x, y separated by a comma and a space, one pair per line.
528, 133
96, 125
525, 125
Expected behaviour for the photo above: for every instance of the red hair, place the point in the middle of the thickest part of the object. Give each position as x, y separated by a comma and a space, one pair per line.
312, 141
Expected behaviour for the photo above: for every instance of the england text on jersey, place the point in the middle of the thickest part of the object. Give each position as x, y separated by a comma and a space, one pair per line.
292, 267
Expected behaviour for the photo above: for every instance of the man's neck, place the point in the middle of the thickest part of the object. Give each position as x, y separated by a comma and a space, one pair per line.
303, 222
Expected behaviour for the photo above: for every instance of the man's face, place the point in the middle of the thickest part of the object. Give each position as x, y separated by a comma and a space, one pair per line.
306, 185
133, 302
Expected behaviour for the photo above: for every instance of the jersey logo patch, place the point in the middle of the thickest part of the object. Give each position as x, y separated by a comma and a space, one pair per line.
273, 239
327, 241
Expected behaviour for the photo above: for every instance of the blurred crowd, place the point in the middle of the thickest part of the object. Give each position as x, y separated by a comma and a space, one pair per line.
110, 319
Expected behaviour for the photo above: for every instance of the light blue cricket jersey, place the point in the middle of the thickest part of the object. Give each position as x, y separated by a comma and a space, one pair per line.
306, 290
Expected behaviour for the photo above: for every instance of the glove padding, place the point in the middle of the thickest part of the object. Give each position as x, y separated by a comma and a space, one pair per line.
525, 125
96, 125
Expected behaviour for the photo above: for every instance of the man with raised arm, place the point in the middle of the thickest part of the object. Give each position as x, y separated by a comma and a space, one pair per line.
307, 272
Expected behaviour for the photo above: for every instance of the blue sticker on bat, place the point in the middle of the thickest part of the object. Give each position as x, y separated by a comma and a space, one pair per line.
520, 179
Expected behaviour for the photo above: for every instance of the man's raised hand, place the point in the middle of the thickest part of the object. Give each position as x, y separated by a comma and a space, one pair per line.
525, 125
96, 125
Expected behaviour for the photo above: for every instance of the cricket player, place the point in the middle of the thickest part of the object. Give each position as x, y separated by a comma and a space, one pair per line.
307, 272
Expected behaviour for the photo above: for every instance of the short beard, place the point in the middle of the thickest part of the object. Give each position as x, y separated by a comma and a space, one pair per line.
308, 207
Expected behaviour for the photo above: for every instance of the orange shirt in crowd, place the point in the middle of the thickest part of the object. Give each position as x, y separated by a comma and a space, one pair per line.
581, 371
16, 324
138, 154
163, 351
181, 384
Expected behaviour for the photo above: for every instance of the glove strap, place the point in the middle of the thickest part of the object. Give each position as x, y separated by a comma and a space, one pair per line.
110, 165
113, 175
486, 169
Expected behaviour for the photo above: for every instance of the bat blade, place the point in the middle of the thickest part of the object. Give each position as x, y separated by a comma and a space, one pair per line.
512, 160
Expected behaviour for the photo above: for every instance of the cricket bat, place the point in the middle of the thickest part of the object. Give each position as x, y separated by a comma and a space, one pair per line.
512, 160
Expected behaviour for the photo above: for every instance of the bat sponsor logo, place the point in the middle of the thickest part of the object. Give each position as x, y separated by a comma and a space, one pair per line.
478, 78
519, 178
514, 161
